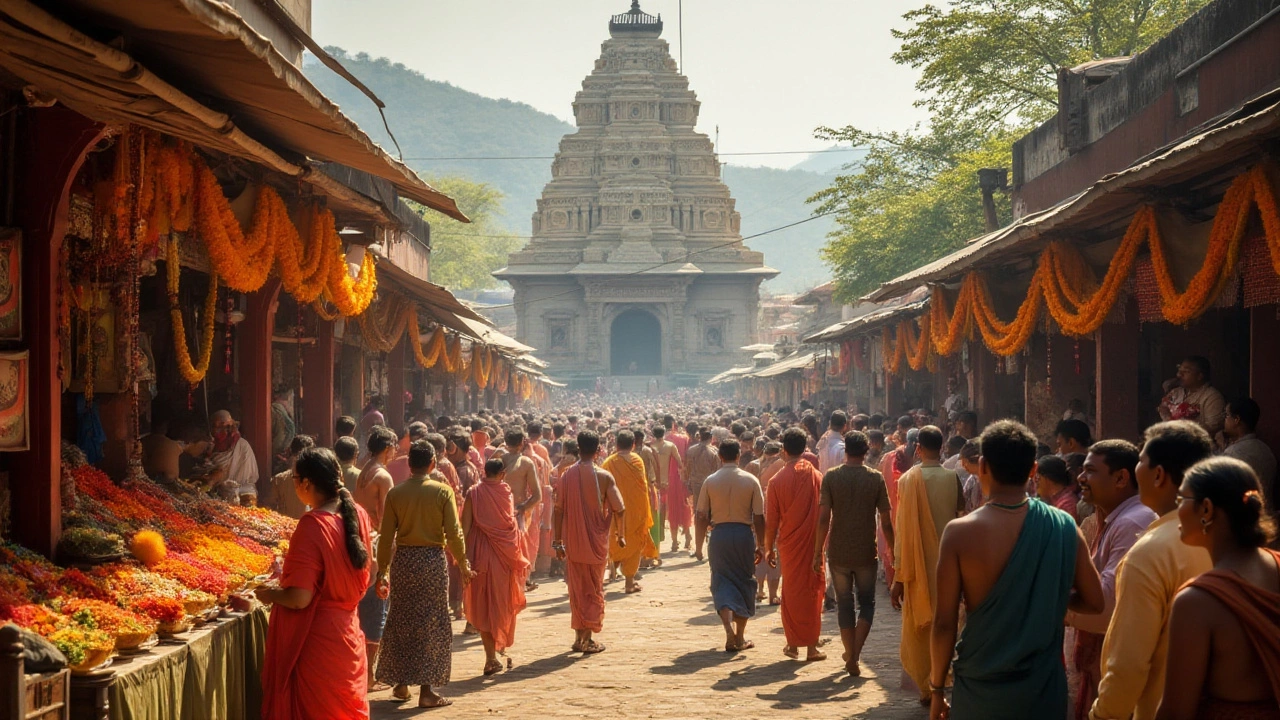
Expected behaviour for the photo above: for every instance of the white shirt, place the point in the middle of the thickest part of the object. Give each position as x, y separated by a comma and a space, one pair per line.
241, 467
830, 451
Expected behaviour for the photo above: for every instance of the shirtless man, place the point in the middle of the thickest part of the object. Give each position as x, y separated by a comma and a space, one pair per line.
1017, 564
370, 492
522, 478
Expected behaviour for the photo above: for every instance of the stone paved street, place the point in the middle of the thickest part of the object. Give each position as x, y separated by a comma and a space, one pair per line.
664, 661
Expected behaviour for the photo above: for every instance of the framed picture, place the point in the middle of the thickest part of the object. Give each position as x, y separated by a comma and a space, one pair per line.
14, 378
10, 285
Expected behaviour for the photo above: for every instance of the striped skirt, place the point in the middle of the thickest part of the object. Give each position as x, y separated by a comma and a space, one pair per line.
417, 642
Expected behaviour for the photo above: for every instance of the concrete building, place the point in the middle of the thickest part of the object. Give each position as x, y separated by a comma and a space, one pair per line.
636, 267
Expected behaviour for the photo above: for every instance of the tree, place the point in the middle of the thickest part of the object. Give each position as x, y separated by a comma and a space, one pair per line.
988, 75
464, 254
993, 61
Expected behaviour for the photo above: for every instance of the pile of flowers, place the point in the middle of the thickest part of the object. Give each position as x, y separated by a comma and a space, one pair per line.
208, 549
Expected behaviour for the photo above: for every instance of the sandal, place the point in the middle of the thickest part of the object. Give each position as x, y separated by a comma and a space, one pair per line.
493, 667
406, 697
592, 647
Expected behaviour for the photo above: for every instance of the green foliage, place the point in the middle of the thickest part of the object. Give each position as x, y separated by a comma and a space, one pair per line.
916, 199
988, 75
464, 254
992, 61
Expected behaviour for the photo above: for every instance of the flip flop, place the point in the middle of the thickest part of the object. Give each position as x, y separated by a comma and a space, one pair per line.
790, 652
493, 668
378, 687
442, 702
402, 698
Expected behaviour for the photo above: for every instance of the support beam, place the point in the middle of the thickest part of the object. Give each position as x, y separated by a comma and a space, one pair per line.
1117, 377
395, 386
317, 417
1264, 383
255, 375
53, 144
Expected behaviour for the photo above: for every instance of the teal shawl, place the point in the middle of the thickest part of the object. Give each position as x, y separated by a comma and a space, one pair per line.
1009, 658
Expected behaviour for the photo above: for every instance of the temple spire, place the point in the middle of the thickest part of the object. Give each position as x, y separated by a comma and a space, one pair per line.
636, 22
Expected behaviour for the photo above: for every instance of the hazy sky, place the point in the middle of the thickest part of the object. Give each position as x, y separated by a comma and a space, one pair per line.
767, 72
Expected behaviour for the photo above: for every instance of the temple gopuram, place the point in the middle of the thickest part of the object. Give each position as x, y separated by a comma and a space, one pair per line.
636, 269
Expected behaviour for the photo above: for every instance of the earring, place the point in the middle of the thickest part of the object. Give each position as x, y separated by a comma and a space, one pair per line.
1204, 525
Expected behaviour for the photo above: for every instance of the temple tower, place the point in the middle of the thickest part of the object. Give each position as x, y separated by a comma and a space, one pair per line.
636, 267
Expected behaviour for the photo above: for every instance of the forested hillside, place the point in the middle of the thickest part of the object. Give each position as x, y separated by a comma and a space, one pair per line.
434, 119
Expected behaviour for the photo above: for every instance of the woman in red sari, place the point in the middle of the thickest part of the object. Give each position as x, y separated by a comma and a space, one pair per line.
315, 666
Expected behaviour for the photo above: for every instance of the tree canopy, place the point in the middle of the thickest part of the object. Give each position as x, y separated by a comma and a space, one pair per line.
464, 254
988, 75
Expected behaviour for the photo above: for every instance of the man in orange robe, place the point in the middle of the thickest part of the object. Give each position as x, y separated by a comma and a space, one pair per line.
634, 543
791, 521
588, 506
496, 553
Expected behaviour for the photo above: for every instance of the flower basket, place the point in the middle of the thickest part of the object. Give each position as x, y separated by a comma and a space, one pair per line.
197, 606
169, 629
129, 641
94, 658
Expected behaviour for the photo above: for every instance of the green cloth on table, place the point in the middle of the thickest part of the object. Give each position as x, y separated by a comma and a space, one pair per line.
216, 675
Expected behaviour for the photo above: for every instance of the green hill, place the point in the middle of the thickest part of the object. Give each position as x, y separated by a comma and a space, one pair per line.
433, 119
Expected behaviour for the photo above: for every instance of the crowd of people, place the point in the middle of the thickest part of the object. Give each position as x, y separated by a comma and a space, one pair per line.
1096, 579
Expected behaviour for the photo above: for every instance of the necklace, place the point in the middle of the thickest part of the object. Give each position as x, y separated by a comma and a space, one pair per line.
1003, 506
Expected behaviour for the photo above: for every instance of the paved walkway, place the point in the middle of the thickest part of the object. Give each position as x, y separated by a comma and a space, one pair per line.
665, 659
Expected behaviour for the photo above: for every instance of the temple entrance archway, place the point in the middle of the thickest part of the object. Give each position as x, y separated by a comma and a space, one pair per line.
635, 344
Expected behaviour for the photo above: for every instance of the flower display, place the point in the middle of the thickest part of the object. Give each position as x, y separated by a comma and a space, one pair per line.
108, 617
80, 644
148, 546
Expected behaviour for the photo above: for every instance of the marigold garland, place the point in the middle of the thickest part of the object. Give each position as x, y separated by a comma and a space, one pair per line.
1064, 285
192, 373
303, 267
243, 260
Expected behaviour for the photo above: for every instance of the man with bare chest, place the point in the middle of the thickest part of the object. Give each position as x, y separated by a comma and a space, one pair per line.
370, 492
526, 491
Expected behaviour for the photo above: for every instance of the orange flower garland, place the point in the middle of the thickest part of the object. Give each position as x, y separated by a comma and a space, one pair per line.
192, 373
303, 267
436, 349
242, 260
382, 328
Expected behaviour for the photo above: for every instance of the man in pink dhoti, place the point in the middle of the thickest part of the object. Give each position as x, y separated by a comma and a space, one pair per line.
495, 552
679, 510
538, 513
791, 522
522, 478
588, 507
892, 465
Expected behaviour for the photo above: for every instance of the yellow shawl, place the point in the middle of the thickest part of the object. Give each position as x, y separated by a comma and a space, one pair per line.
918, 550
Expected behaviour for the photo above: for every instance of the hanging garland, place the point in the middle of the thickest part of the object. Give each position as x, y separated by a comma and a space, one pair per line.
1064, 284
242, 260
304, 267
481, 366
193, 374
349, 296
435, 349
383, 327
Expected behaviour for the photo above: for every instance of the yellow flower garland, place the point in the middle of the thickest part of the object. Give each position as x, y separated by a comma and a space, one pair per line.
303, 267
193, 374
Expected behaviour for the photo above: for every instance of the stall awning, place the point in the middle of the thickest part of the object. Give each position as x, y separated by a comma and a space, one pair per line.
869, 315
1229, 140
730, 374
196, 70
499, 341
795, 362
443, 306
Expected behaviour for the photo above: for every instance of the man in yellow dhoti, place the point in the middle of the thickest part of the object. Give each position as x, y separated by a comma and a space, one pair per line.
633, 543
929, 497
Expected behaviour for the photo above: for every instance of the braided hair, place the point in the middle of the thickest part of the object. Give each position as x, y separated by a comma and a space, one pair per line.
319, 466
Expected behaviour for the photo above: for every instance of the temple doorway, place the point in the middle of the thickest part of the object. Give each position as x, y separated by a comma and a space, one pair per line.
635, 344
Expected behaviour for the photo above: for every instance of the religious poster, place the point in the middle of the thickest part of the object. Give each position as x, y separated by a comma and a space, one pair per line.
95, 361
10, 285
13, 401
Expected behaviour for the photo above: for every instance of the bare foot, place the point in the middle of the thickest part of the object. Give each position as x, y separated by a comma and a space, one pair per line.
633, 588
592, 647
852, 667
400, 692
775, 601
375, 686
